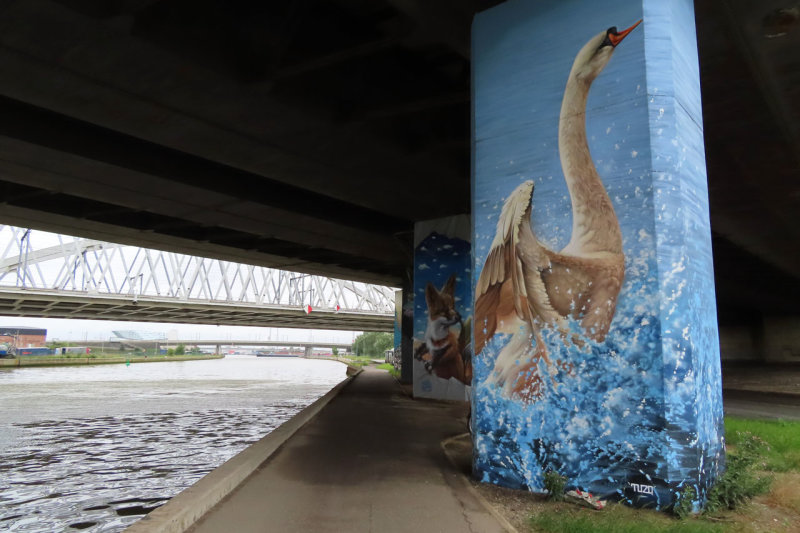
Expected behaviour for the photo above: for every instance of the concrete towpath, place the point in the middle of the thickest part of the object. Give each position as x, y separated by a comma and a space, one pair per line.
370, 461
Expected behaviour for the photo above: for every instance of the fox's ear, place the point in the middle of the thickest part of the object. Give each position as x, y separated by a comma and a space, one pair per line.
450, 286
430, 293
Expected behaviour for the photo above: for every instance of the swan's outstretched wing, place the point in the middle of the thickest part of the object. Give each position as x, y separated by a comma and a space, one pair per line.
510, 283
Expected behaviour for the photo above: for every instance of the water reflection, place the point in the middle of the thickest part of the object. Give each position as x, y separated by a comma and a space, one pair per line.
96, 448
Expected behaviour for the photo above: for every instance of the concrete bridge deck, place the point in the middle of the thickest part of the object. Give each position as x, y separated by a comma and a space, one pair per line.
370, 461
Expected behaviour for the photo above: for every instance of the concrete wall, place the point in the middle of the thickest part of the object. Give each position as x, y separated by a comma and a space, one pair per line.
781, 340
586, 165
741, 343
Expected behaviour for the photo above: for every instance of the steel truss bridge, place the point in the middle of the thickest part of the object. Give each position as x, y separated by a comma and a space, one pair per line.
55, 276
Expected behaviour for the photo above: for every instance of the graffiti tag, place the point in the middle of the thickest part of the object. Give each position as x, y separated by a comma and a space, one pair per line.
642, 489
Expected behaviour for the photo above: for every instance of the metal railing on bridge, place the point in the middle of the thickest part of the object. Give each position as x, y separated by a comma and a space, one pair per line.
66, 268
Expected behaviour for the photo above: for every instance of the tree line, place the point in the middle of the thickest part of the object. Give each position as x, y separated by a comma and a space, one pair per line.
373, 344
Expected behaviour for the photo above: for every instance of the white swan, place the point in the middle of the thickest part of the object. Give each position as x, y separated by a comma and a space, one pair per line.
524, 286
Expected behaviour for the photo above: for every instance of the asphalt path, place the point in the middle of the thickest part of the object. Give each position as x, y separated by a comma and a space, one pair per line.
754, 404
370, 461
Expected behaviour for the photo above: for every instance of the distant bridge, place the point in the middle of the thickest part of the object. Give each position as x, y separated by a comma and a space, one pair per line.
231, 343
55, 276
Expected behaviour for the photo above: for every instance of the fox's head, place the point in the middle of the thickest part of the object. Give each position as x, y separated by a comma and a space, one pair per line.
441, 303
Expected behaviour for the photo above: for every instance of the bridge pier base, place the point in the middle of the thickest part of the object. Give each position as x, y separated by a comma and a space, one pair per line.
407, 333
597, 352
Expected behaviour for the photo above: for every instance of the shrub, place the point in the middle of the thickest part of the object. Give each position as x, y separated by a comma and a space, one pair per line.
740, 483
554, 484
684, 507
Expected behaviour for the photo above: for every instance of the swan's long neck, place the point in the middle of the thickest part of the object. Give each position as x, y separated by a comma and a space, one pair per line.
595, 227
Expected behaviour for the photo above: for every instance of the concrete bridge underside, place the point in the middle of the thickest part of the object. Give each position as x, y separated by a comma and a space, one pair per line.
55, 304
310, 136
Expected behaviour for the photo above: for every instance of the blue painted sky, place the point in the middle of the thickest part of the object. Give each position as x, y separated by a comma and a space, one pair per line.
435, 259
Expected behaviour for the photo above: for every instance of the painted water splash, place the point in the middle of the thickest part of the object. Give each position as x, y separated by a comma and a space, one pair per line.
603, 425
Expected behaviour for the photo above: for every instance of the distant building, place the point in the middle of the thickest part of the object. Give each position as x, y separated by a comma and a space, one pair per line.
22, 337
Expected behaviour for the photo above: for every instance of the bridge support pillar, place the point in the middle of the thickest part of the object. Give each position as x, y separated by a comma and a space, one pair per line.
217, 349
442, 308
309, 351
407, 333
596, 341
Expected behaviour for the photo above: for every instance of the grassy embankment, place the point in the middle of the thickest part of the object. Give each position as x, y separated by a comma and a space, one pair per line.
777, 510
390, 368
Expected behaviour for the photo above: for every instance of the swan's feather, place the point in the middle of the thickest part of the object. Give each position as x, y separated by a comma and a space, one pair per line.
515, 258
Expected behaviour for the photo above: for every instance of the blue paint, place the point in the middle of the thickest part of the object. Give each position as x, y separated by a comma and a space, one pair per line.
643, 408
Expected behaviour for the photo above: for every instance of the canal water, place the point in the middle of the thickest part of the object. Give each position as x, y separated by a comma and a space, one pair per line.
95, 448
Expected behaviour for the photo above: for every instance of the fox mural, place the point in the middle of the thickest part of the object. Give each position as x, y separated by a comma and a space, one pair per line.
444, 351
442, 362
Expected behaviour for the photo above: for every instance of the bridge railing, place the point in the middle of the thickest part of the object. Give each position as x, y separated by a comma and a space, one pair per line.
40, 260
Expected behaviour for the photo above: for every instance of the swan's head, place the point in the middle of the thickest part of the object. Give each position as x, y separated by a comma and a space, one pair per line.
596, 53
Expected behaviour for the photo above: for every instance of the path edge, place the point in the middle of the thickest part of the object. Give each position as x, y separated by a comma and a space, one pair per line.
472, 490
190, 505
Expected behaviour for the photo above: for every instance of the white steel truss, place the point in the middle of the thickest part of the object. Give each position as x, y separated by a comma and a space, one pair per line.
71, 265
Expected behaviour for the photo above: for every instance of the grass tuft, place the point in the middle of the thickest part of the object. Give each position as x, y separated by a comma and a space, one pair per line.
554, 484
617, 519
740, 482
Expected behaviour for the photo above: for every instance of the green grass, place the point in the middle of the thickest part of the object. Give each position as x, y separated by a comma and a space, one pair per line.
782, 436
618, 519
390, 368
358, 360
783, 455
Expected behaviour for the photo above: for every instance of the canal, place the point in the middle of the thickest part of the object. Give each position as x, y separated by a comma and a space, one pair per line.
94, 448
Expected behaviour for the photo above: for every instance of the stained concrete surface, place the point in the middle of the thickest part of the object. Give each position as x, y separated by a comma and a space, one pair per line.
761, 391
371, 461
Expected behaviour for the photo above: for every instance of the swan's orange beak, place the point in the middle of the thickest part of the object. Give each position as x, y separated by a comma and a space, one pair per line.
616, 38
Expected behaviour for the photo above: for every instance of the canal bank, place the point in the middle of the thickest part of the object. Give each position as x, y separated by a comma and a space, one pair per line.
98, 446
39, 361
370, 460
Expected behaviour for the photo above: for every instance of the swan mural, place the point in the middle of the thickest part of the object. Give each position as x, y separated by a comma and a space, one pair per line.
524, 286
595, 349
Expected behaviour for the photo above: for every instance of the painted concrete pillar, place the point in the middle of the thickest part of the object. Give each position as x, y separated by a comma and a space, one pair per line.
596, 344
442, 308
407, 332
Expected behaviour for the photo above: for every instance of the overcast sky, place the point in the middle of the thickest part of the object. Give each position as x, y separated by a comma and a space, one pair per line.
100, 330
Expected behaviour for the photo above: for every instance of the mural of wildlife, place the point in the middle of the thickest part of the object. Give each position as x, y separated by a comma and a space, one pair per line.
525, 286
445, 350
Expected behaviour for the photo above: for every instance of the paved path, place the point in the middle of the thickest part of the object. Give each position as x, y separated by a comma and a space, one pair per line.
371, 461
751, 404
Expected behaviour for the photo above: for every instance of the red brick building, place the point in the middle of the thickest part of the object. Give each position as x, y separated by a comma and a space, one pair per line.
22, 337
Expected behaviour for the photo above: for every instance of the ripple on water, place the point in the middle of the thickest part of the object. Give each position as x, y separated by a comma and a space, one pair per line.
104, 472
102, 475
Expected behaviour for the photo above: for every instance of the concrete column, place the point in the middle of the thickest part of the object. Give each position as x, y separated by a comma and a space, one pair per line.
596, 344
407, 333
309, 351
442, 308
